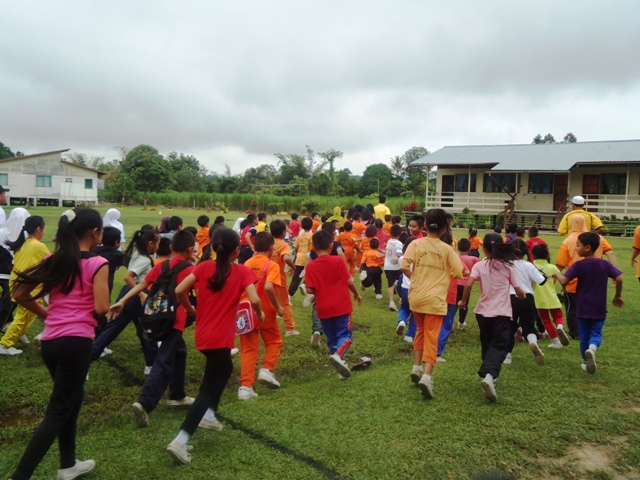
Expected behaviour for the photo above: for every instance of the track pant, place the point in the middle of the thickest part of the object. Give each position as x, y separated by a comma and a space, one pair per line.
447, 326
22, 320
546, 314
426, 339
570, 300
590, 333
350, 257
495, 333
67, 359
269, 331
296, 280
462, 313
374, 277
283, 297
339, 333
525, 312
404, 312
245, 254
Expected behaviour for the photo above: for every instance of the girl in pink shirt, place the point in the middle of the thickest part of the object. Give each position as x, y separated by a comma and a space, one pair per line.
493, 311
77, 283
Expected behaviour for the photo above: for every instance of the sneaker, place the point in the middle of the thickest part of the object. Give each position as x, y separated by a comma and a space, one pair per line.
342, 377
9, 350
183, 402
23, 340
306, 303
268, 379
408, 339
291, 333
538, 356
400, 328
416, 373
303, 290
246, 393
489, 389
213, 425
142, 419
80, 469
519, 336
564, 338
584, 366
363, 364
554, 345
392, 306
363, 275
147, 370
234, 351
426, 386
179, 453
340, 365
462, 326
591, 361
440, 360
378, 296
37, 342
6, 325
106, 351
315, 340
507, 359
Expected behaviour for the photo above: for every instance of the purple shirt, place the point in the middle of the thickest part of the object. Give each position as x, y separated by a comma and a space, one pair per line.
592, 274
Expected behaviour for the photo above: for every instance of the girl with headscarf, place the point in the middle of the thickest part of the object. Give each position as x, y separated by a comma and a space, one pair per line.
337, 215
237, 226
13, 227
111, 220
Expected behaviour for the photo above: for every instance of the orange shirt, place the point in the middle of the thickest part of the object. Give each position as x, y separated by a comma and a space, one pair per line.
202, 237
280, 249
347, 240
567, 256
358, 229
386, 228
476, 242
303, 246
256, 264
316, 225
364, 244
372, 258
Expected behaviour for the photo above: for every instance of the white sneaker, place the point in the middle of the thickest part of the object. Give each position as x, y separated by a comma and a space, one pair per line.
147, 370
246, 393
462, 326
584, 366
303, 289
591, 361
142, 418
489, 388
363, 275
426, 386
315, 340
106, 351
378, 297
563, 337
179, 453
392, 306
408, 339
23, 340
440, 360
6, 325
507, 359
400, 328
554, 345
268, 379
291, 333
37, 342
80, 469
340, 365
306, 303
234, 351
183, 402
538, 356
9, 350
214, 424
416, 373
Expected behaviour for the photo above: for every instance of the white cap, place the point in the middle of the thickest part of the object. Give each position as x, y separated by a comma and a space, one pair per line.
578, 200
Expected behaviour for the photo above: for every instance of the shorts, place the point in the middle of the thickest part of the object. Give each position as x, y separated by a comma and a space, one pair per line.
392, 277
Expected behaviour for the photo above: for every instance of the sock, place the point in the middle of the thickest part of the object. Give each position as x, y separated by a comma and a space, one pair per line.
182, 438
488, 377
428, 377
560, 326
209, 415
592, 347
557, 341
532, 338
420, 367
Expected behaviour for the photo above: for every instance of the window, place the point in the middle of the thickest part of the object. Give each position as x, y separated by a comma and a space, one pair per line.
88, 183
4, 179
43, 180
612, 183
493, 182
68, 180
461, 182
541, 182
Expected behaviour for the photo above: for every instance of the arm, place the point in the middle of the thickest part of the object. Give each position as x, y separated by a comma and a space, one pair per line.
289, 261
129, 279
611, 256
465, 293
270, 290
247, 238
562, 279
116, 308
182, 293
356, 295
23, 296
254, 299
101, 290
634, 255
617, 300
520, 293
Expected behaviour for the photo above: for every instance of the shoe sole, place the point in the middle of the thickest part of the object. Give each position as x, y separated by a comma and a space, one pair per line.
172, 403
538, 356
415, 377
268, 383
591, 362
489, 393
315, 340
178, 457
564, 339
340, 367
361, 365
214, 428
142, 419
426, 391
400, 329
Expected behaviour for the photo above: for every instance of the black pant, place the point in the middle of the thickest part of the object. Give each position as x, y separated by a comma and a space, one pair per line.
217, 372
374, 277
462, 313
524, 313
67, 359
572, 320
168, 370
7, 306
245, 254
295, 281
494, 336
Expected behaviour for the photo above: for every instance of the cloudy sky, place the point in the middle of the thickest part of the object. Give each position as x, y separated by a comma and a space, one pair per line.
236, 81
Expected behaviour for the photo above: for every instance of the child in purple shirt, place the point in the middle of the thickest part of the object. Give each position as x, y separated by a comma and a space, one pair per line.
592, 274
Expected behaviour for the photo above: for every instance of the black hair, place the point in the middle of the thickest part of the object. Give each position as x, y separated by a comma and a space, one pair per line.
378, 223
348, 226
447, 238
111, 236
419, 219
329, 228
31, 224
314, 215
164, 224
473, 231
306, 223
248, 221
464, 245
175, 223
382, 199
533, 231
370, 231
277, 228
511, 228
367, 213
219, 220
500, 251
322, 240
396, 219
407, 243
356, 215
520, 231
183, 240
203, 220
374, 243
387, 218
164, 247
263, 242
395, 230
62, 268
224, 241
437, 220
590, 239
193, 230
522, 247
324, 218
403, 237
498, 230
139, 241
262, 216
540, 252
147, 226
294, 216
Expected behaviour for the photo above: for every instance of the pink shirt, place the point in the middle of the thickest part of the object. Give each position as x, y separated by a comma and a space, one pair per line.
495, 278
72, 315
468, 261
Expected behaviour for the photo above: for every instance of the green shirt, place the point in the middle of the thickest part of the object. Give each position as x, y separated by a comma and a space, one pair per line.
545, 295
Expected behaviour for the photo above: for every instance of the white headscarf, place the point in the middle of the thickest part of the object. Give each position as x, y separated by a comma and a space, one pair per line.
236, 226
13, 226
110, 219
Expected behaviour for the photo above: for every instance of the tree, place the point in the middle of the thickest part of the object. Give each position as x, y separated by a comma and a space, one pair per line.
398, 167
188, 174
376, 179
570, 138
548, 138
79, 158
330, 157
410, 156
148, 170
5, 152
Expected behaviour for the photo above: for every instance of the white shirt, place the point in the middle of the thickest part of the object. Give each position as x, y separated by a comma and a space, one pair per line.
3, 217
406, 281
392, 255
528, 275
140, 265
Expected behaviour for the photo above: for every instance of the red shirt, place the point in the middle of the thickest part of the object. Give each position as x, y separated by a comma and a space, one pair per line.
248, 229
452, 293
217, 311
294, 227
328, 275
181, 316
532, 242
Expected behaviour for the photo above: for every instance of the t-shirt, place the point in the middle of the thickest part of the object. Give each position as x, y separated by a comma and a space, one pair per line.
532, 242
329, 276
294, 228
567, 256
381, 210
380, 235
529, 275
592, 221
347, 240
315, 226
372, 258
592, 274
386, 228
251, 229
72, 314
495, 278
140, 265
217, 311
468, 261
272, 274
358, 229
364, 244
280, 249
393, 253
545, 295
476, 242
181, 315
202, 237
303, 247
636, 245
31, 253
434, 265
261, 227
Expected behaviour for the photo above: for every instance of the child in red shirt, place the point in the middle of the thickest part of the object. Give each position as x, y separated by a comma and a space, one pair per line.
533, 241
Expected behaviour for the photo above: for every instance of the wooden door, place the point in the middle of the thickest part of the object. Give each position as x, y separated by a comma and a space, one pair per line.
591, 189
448, 184
560, 186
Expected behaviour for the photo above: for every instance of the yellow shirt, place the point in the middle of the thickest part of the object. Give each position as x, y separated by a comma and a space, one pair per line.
434, 265
592, 221
303, 246
381, 210
261, 227
31, 253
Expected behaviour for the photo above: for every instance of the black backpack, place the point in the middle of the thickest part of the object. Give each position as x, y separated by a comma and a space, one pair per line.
160, 308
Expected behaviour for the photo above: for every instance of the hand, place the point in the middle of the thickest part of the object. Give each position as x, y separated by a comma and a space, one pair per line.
618, 302
521, 295
358, 298
280, 310
143, 297
462, 305
190, 310
633, 262
261, 317
114, 310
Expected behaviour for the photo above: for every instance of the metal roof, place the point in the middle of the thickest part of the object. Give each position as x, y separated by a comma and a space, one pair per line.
546, 157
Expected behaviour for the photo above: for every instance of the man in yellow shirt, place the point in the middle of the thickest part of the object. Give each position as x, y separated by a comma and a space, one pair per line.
577, 208
381, 209
262, 223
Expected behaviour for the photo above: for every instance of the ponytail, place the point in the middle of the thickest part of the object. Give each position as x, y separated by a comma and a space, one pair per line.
139, 241
224, 242
31, 224
498, 250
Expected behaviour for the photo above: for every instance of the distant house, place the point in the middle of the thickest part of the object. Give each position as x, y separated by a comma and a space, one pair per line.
539, 178
48, 179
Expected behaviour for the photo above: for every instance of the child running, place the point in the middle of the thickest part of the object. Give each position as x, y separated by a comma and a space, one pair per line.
452, 307
496, 275
434, 265
76, 281
392, 264
476, 242
405, 317
300, 252
593, 275
220, 286
372, 263
464, 247
282, 256
348, 242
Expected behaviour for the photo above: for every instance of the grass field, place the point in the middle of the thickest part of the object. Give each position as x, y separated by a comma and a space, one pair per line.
552, 421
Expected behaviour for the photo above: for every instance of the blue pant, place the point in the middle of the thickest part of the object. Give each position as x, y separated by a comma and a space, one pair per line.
404, 312
447, 326
338, 332
590, 333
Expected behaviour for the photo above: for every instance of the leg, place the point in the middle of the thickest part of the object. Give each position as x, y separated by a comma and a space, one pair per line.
113, 328
283, 298
595, 336
330, 330
548, 325
572, 321
176, 385
447, 326
343, 334
462, 314
161, 373
377, 281
272, 338
295, 281
495, 333
418, 339
316, 324
249, 349
432, 326
22, 320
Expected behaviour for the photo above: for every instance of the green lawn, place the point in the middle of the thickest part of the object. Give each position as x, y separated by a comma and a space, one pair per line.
551, 421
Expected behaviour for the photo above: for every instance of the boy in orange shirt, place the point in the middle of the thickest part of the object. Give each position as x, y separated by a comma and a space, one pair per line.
358, 232
281, 255
348, 242
386, 228
202, 236
372, 263
268, 274
315, 217
300, 251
